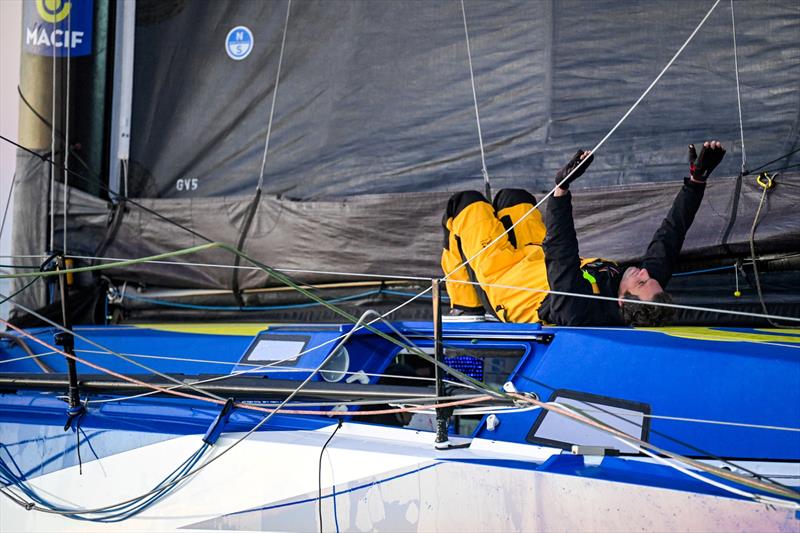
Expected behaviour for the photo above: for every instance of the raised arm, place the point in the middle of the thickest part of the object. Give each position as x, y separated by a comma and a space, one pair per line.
562, 257
663, 251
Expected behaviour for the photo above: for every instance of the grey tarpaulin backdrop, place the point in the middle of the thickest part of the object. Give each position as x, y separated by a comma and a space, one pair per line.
374, 126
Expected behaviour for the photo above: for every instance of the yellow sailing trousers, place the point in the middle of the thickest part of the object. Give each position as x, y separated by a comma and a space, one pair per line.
472, 225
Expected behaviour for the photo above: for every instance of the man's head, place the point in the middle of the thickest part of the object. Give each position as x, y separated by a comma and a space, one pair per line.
636, 284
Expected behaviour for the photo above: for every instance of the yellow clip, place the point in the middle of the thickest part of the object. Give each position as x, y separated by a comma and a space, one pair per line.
765, 180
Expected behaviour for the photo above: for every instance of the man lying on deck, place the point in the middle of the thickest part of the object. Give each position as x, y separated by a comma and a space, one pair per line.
545, 256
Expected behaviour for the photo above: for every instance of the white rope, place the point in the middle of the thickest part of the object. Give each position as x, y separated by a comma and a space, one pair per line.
66, 135
216, 265
112, 352
712, 482
53, 150
703, 421
475, 101
274, 97
34, 356
738, 92
625, 300
593, 150
675, 458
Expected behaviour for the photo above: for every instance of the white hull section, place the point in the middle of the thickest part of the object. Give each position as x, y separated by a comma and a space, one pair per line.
384, 479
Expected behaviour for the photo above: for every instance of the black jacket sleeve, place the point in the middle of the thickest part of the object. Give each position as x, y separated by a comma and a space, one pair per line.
667, 241
564, 273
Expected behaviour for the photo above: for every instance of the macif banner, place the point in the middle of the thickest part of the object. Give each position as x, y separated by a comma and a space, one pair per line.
59, 28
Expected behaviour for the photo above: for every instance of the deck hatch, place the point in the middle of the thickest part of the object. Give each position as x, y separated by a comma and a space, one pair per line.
552, 429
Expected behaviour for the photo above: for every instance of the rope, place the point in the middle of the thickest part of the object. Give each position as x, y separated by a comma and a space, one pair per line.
66, 136
280, 277
271, 413
725, 474
485, 172
286, 281
251, 212
459, 375
333, 492
104, 187
639, 302
707, 421
738, 92
593, 150
53, 149
274, 97
217, 265
89, 341
8, 203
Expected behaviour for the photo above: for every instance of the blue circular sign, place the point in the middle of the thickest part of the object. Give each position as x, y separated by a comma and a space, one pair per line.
239, 43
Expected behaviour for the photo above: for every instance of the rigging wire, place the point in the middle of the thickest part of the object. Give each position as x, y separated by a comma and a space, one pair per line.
66, 136
486, 183
727, 475
775, 161
93, 343
287, 281
280, 277
251, 212
217, 265
53, 150
44, 121
593, 150
705, 453
8, 203
106, 189
192, 472
570, 412
738, 91
624, 300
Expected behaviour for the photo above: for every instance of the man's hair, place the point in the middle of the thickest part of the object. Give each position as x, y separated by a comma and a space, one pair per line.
643, 314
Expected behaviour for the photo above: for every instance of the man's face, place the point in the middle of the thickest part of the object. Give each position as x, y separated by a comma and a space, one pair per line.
638, 282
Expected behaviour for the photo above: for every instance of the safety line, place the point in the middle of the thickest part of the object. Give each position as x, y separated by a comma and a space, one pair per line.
217, 265
705, 421
91, 342
625, 300
592, 151
738, 92
486, 184
272, 412
34, 356
221, 401
286, 281
467, 381
230, 363
288, 270
346, 315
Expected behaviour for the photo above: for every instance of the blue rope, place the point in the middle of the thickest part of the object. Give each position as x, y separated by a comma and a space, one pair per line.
715, 269
115, 513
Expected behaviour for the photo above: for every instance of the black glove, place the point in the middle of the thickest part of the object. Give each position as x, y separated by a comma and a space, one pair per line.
573, 163
710, 156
